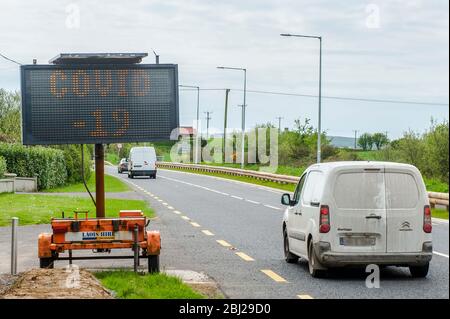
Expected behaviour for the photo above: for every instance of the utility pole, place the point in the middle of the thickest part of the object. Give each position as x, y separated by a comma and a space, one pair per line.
208, 118
243, 110
279, 118
227, 91
356, 133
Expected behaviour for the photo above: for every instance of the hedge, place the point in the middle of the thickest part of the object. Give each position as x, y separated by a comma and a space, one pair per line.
72, 156
2, 166
47, 164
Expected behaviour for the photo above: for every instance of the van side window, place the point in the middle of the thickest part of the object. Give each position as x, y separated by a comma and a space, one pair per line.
298, 189
313, 188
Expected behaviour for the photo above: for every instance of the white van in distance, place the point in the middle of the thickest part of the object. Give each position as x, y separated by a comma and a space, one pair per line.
359, 213
142, 162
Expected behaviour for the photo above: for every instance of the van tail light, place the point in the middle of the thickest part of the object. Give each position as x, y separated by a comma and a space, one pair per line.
324, 219
427, 225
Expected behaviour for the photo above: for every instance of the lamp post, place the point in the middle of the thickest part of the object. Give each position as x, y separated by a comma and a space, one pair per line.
319, 128
198, 118
243, 110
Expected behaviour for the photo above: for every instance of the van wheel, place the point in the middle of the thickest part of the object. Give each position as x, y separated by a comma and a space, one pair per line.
419, 271
153, 263
315, 268
288, 256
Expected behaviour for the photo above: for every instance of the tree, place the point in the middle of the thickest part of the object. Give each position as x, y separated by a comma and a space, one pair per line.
10, 130
365, 141
380, 140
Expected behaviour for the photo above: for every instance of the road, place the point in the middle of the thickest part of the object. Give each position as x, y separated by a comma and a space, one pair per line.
232, 232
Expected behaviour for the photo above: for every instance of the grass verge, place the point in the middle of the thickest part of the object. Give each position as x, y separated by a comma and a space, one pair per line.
129, 285
439, 213
39, 209
112, 185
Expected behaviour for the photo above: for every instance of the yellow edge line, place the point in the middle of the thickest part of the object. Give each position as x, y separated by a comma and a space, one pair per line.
273, 275
245, 256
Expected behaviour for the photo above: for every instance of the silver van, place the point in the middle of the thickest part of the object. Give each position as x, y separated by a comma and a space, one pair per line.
359, 213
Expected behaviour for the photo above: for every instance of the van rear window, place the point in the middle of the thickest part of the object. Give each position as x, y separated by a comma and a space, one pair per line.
401, 191
360, 191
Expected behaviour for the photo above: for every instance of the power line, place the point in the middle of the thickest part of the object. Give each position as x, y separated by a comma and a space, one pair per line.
342, 98
8, 59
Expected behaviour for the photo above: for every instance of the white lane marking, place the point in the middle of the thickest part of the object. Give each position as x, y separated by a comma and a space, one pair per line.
170, 207
165, 204
219, 192
195, 224
265, 188
177, 212
440, 254
185, 218
207, 232
252, 201
440, 221
305, 297
273, 207
237, 197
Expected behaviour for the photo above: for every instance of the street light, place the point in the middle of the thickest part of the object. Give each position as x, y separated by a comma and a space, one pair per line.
198, 118
243, 109
319, 129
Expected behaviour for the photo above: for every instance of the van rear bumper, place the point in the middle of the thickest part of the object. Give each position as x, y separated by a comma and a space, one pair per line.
334, 259
143, 172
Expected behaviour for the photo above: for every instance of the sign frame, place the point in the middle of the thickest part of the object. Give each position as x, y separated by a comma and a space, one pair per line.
26, 125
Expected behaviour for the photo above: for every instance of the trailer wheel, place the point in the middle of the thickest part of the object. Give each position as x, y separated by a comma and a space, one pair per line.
46, 263
153, 264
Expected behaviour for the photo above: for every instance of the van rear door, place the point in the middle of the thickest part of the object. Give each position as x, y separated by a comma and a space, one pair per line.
358, 215
404, 211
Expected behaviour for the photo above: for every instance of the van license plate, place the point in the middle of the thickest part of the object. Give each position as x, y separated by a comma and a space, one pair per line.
357, 241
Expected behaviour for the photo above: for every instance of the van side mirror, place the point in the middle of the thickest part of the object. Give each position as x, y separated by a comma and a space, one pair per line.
286, 200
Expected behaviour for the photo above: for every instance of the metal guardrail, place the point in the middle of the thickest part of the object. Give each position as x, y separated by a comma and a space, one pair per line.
441, 199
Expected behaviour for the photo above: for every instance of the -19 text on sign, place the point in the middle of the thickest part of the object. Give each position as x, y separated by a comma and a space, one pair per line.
96, 103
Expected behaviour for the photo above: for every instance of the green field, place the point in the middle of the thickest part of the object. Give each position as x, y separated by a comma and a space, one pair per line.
39, 209
112, 185
129, 285
439, 213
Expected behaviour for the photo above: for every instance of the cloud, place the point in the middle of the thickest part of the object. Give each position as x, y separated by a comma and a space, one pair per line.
405, 58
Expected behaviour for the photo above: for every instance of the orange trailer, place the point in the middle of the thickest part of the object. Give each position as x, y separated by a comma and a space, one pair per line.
128, 231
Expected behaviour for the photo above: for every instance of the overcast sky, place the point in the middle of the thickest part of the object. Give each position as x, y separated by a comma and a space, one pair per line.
396, 50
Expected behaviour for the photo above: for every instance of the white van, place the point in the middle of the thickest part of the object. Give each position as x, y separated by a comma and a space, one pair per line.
142, 162
359, 213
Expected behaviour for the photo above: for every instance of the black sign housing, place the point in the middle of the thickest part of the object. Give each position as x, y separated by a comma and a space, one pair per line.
98, 103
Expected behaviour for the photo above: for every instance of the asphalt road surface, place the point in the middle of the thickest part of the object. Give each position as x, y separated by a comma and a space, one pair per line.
232, 232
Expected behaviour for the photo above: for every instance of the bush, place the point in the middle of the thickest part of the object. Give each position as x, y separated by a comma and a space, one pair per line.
2, 167
47, 164
72, 157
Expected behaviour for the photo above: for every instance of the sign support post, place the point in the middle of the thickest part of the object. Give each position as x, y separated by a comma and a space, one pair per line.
100, 180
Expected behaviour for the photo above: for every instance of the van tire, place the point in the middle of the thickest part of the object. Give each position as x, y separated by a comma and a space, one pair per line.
289, 257
315, 268
419, 271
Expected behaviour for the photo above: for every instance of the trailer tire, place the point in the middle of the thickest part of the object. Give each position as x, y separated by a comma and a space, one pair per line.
153, 264
46, 263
